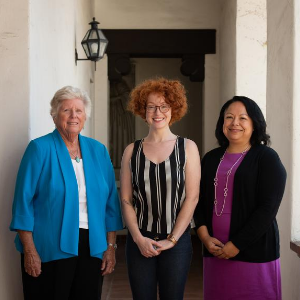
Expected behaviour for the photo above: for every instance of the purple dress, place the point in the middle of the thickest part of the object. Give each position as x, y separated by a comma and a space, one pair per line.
236, 280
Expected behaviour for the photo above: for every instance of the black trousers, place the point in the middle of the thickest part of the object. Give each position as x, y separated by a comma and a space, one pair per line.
75, 278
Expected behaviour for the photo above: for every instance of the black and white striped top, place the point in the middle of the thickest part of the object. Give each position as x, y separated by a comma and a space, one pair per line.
158, 189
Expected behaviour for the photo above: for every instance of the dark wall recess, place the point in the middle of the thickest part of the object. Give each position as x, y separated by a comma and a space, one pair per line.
189, 45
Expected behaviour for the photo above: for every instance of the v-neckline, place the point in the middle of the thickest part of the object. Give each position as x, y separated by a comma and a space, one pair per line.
168, 158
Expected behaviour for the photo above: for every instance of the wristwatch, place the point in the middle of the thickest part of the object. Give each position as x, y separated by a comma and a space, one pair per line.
115, 246
172, 238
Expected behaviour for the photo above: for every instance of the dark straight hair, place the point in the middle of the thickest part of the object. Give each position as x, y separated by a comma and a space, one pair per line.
259, 135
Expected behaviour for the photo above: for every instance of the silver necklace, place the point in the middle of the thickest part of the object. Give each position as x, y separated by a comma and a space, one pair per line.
228, 173
76, 157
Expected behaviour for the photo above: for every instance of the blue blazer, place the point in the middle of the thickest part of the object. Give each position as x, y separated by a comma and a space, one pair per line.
46, 197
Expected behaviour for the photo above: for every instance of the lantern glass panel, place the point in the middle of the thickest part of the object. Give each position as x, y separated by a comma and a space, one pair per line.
94, 49
94, 35
101, 35
85, 47
103, 45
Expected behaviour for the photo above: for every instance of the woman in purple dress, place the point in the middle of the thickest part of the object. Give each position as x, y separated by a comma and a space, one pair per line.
242, 186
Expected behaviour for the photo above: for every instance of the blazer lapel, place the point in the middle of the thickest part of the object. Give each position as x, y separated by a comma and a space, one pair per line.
70, 225
95, 194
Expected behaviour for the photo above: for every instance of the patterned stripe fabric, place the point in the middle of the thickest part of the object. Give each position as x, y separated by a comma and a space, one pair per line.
158, 189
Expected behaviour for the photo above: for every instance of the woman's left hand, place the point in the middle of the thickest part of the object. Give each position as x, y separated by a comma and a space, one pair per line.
228, 251
108, 261
165, 245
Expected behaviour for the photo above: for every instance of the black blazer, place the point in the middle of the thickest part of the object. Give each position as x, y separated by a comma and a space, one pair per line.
258, 189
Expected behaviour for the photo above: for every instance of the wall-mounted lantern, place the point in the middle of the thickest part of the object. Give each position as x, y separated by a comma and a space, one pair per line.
94, 44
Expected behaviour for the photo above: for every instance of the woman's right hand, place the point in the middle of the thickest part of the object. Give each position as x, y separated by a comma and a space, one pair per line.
148, 246
32, 263
212, 244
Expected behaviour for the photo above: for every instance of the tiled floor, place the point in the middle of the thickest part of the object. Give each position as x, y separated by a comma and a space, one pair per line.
116, 286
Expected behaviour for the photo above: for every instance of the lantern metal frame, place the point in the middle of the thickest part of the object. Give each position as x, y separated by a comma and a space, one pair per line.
94, 44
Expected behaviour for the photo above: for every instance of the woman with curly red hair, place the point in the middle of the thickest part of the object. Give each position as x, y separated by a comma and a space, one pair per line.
160, 178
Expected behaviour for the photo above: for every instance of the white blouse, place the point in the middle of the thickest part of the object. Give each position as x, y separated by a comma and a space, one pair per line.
83, 213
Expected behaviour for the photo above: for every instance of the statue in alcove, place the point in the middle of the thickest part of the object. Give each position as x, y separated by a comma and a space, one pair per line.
122, 122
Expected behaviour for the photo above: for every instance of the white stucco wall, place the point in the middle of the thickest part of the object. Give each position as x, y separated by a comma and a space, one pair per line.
172, 14
283, 125
243, 50
56, 28
14, 97
251, 50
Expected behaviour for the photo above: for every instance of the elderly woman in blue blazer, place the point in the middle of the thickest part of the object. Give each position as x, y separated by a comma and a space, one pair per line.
66, 209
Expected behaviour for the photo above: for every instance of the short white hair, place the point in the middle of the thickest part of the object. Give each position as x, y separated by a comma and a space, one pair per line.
68, 93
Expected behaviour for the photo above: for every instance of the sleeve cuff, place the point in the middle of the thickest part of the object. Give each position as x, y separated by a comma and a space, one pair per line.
21, 223
113, 224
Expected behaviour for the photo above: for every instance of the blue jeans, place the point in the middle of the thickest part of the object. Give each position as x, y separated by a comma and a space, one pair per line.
169, 270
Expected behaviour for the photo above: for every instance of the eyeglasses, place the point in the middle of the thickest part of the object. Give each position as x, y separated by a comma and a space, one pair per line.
163, 108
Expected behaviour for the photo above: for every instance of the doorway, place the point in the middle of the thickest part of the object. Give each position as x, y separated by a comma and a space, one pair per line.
137, 55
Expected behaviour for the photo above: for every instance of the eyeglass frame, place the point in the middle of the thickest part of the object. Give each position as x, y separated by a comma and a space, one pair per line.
158, 107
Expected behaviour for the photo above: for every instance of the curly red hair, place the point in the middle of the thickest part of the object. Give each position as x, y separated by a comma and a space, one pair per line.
172, 90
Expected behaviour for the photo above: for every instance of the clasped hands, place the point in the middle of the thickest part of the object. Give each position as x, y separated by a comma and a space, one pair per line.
218, 249
150, 248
